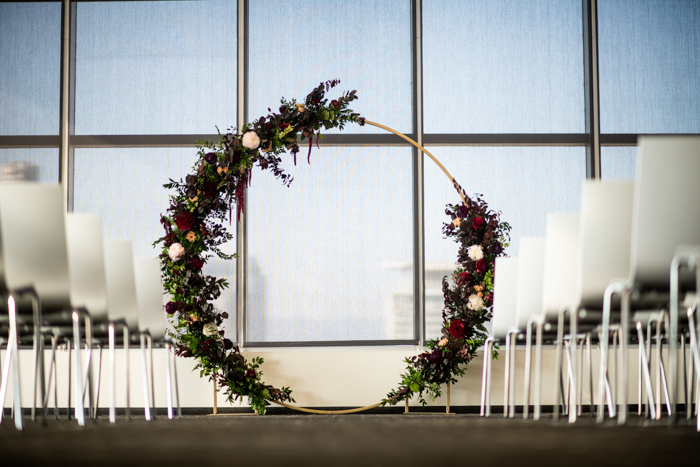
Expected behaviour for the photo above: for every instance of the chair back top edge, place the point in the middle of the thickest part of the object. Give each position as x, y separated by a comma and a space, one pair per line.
665, 207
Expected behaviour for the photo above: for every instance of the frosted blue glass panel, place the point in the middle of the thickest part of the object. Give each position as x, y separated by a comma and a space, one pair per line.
503, 66
331, 257
29, 165
155, 67
366, 44
524, 183
30, 66
618, 162
125, 186
649, 64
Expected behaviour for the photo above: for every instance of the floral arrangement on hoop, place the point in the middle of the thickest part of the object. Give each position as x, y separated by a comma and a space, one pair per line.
468, 295
194, 232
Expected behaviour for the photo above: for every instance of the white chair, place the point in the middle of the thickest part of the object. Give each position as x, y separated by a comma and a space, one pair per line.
664, 216
504, 315
149, 292
122, 308
88, 286
35, 264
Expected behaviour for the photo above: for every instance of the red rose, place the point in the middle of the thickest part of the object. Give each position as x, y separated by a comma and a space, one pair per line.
335, 103
250, 373
283, 126
197, 263
209, 190
463, 278
457, 329
481, 266
185, 220
479, 223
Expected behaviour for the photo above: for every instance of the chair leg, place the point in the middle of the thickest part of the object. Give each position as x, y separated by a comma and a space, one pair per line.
146, 393
623, 380
128, 373
70, 378
484, 374
589, 353
528, 366
645, 371
79, 409
506, 379
538, 370
571, 356
99, 381
169, 386
149, 344
112, 376
52, 372
558, 364
177, 388
12, 365
488, 381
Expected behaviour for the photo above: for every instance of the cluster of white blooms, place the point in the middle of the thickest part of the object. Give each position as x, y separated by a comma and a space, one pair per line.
251, 140
209, 329
176, 251
476, 303
476, 252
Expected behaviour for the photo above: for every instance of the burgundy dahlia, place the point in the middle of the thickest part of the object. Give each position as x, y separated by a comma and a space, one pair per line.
209, 190
185, 220
458, 329
481, 266
171, 308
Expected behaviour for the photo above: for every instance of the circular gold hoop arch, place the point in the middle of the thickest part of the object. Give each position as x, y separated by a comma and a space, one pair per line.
461, 194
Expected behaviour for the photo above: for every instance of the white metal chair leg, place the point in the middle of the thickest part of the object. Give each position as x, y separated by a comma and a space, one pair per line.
112, 376
169, 386
528, 367
146, 392
558, 364
79, 408
538, 371
12, 365
645, 370
51, 379
99, 381
484, 375
149, 343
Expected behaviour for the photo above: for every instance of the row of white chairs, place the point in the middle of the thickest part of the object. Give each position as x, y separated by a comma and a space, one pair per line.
629, 257
63, 282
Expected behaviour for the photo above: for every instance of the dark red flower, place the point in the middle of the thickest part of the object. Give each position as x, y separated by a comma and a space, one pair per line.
185, 220
282, 109
481, 266
283, 126
463, 278
458, 329
171, 308
197, 263
463, 211
497, 248
210, 157
488, 297
250, 373
228, 345
479, 223
335, 103
209, 190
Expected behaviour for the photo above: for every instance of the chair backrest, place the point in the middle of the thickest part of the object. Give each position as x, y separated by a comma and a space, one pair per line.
560, 264
88, 283
605, 233
33, 232
665, 213
149, 292
505, 284
121, 286
530, 270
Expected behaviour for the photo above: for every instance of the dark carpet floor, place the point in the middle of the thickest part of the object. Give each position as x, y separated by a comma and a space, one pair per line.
348, 440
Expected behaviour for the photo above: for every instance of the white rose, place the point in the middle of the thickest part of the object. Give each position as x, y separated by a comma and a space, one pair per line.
209, 329
475, 252
476, 303
176, 251
251, 140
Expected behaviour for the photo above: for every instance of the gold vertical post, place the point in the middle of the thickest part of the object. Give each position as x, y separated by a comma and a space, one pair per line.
216, 409
406, 411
